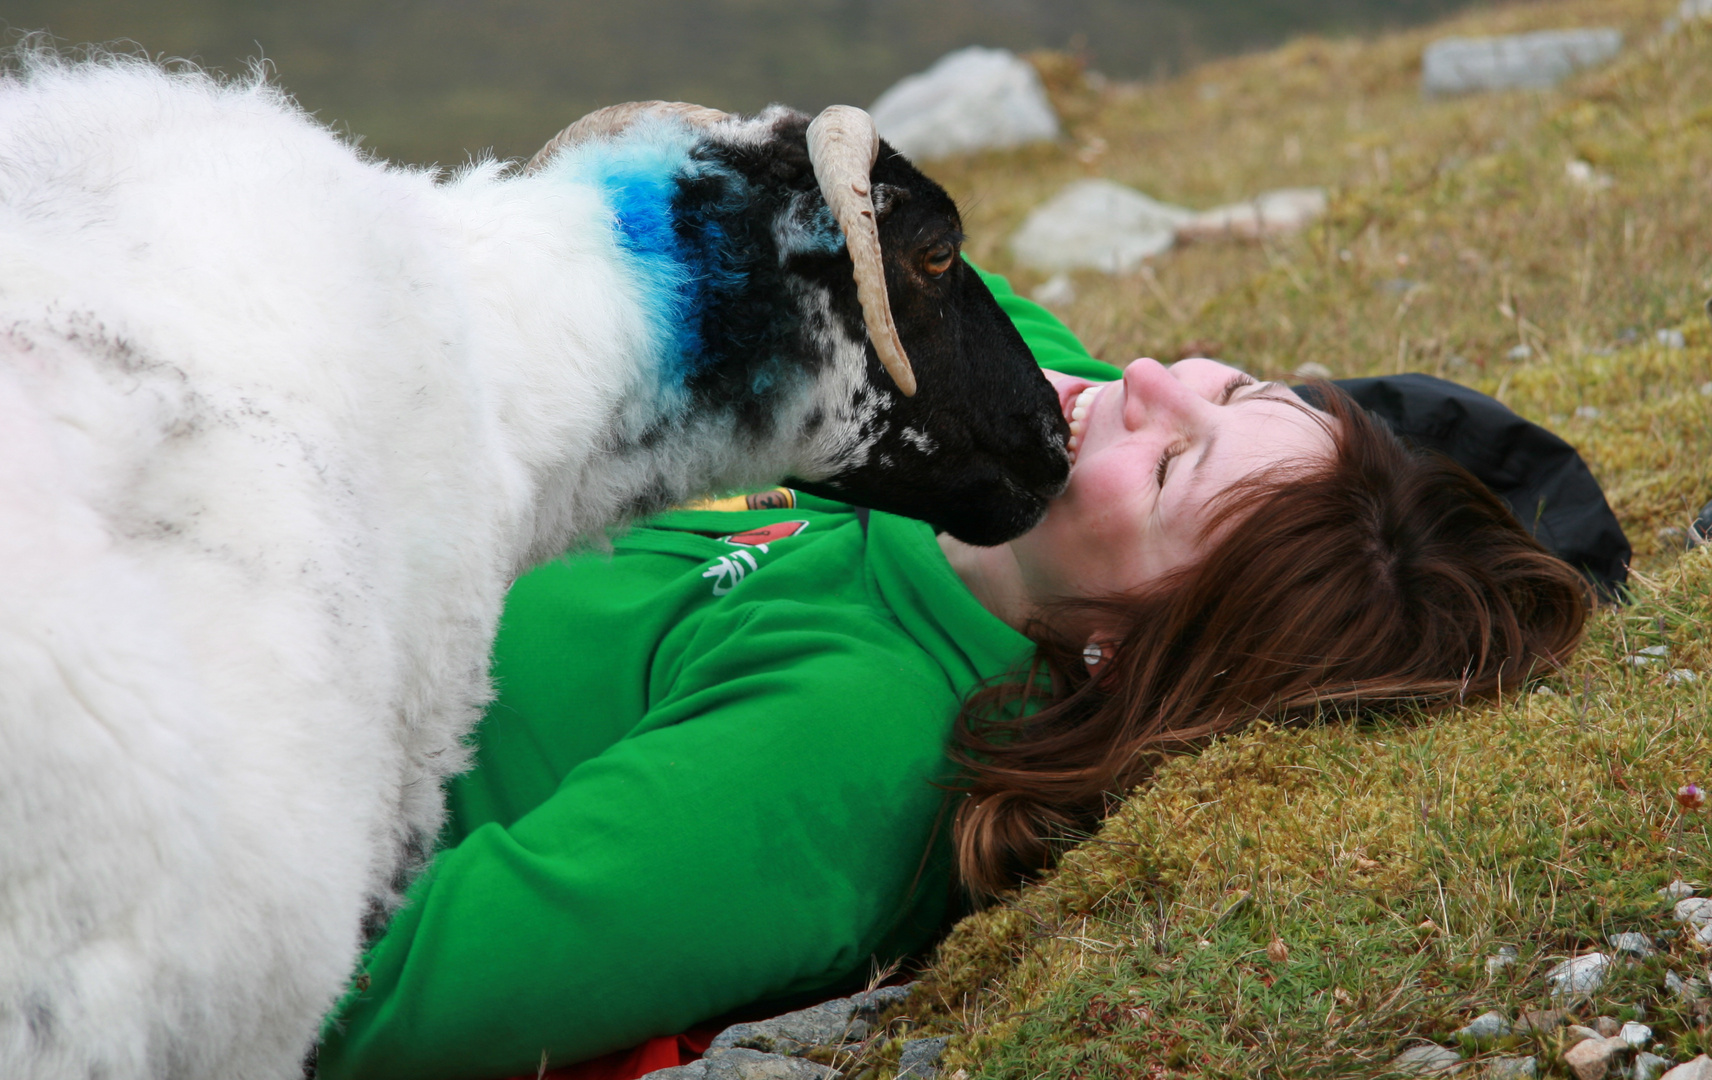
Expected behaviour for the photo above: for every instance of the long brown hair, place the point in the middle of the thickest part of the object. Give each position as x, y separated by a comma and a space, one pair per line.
1388, 577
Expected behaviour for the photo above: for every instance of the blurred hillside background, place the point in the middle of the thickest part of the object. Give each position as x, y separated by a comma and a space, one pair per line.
437, 80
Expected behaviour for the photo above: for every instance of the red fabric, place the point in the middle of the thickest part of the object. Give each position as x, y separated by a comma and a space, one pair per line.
664, 1052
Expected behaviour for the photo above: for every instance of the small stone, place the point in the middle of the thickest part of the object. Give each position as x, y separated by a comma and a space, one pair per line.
1583, 175
1056, 291
1587, 412
971, 99
1486, 1026
1607, 1026
1511, 1068
1698, 1069
1581, 975
740, 1063
1632, 943
1677, 890
1696, 910
1273, 213
1591, 1059
1672, 339
1637, 660
695, 1070
1507, 954
1636, 1035
1689, 988
1704, 937
1428, 1060
1520, 352
1659, 651
1541, 1020
1312, 370
1679, 676
1458, 65
920, 1058
1576, 1033
1649, 1067
871, 1003
1706, 389
1098, 225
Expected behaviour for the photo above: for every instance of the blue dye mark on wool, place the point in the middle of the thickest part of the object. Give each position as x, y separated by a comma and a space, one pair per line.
680, 255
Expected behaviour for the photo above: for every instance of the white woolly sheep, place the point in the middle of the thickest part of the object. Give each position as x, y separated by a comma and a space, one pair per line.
278, 425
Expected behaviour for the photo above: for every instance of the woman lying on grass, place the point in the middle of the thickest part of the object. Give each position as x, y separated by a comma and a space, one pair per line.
717, 769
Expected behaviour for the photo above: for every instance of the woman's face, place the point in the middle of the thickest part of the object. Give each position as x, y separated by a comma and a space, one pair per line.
1149, 455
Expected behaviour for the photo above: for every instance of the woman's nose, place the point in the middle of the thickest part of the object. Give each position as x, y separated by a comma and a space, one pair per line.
1152, 394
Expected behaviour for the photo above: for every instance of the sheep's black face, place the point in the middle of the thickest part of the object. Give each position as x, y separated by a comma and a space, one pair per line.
980, 449
976, 452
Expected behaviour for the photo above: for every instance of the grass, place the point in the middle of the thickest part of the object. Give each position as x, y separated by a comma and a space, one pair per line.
1308, 902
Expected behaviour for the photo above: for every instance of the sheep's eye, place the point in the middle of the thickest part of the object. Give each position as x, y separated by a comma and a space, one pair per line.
938, 260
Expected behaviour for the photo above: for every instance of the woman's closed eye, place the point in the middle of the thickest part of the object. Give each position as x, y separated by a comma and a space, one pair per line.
1165, 459
1237, 383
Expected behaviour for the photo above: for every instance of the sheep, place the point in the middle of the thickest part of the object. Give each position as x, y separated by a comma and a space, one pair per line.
279, 424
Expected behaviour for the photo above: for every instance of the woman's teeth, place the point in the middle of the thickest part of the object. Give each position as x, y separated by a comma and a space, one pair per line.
1079, 419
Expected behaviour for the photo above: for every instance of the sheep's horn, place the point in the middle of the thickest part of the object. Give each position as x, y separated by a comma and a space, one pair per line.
842, 145
615, 118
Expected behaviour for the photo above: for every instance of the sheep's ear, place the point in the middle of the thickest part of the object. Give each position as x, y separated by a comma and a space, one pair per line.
886, 196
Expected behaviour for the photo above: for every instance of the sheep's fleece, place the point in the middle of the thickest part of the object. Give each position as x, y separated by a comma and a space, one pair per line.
254, 494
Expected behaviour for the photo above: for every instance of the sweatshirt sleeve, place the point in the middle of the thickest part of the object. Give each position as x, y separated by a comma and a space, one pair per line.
1052, 343
764, 833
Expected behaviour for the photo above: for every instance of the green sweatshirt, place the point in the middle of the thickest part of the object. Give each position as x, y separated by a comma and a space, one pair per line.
708, 779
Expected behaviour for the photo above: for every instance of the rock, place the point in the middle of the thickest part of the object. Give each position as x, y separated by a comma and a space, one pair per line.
1520, 352
1672, 339
1606, 1026
1632, 944
1587, 412
1679, 676
744, 1064
1485, 1027
1576, 1033
1057, 291
971, 99
1511, 1068
1541, 1020
1098, 225
1649, 1067
1534, 61
1704, 937
1695, 910
1584, 175
1698, 1069
1428, 1060
1273, 213
920, 1058
1591, 1059
695, 1070
1635, 1034
873, 1002
1507, 954
1694, 9
1582, 975
1313, 369
1681, 987
831, 1023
